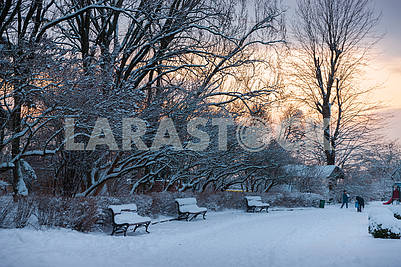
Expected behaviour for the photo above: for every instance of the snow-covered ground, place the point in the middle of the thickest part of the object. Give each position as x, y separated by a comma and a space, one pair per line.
302, 237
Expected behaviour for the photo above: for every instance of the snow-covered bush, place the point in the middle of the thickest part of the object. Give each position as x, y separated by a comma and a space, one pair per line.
25, 209
294, 199
382, 224
3, 185
163, 203
91, 213
222, 200
396, 210
5, 208
79, 214
15, 214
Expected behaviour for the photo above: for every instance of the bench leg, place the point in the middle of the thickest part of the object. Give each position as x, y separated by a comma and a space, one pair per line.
183, 216
125, 228
139, 225
114, 230
197, 214
194, 216
117, 228
188, 217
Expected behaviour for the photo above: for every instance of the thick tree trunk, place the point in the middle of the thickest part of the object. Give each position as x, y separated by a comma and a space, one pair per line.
329, 149
15, 150
21, 72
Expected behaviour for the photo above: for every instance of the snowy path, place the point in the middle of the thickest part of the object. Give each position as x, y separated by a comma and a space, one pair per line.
311, 237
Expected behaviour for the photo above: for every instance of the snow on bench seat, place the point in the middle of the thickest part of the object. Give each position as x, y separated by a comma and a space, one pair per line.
192, 209
253, 202
187, 207
124, 216
130, 218
123, 207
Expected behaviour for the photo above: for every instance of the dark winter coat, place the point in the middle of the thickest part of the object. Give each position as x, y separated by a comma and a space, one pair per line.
361, 201
345, 198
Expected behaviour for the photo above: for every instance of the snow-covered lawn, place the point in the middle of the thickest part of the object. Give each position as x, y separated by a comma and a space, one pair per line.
303, 237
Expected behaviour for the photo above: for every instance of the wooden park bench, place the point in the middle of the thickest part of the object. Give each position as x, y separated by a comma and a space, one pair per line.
125, 216
254, 203
188, 207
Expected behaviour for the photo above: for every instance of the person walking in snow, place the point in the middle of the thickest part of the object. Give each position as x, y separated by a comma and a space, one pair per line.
360, 203
345, 199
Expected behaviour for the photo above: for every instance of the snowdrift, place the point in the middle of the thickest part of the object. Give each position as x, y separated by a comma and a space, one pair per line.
383, 224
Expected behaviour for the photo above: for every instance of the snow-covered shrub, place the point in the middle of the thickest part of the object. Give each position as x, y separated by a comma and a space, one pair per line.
5, 208
236, 200
148, 206
396, 211
164, 202
46, 210
222, 200
3, 187
91, 213
84, 214
79, 214
16, 214
25, 208
382, 224
294, 199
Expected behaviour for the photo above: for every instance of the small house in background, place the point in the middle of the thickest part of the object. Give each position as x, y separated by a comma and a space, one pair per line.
315, 179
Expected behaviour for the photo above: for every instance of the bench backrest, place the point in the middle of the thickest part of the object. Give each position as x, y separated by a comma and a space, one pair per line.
190, 201
124, 207
254, 198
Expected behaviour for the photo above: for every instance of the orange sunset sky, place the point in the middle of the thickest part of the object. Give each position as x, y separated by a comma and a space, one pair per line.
384, 69
389, 60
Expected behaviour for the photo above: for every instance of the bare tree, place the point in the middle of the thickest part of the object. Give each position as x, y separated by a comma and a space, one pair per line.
333, 40
125, 58
23, 80
34, 73
384, 161
171, 60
